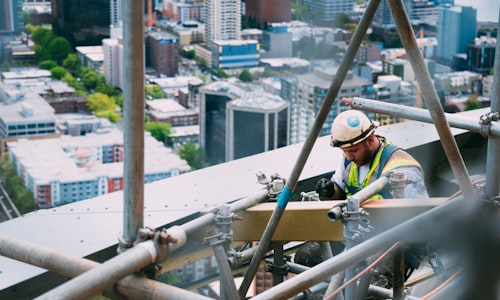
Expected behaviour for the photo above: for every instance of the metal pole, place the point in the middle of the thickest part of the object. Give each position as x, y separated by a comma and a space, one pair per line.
308, 145
133, 120
132, 286
94, 281
430, 97
398, 271
207, 219
418, 114
121, 265
493, 152
278, 262
352, 234
405, 231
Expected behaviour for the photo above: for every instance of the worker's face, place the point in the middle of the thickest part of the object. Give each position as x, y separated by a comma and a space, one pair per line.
359, 154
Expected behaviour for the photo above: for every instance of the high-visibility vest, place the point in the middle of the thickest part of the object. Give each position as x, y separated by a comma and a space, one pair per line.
388, 158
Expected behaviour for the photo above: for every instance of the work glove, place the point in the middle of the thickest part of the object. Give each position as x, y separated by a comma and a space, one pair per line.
325, 188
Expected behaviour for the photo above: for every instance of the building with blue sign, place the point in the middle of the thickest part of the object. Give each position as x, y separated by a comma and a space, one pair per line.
227, 54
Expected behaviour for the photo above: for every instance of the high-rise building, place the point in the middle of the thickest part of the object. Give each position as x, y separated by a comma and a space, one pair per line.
11, 17
82, 23
238, 120
456, 29
162, 52
481, 55
324, 12
222, 20
113, 53
268, 11
183, 11
277, 42
306, 92
257, 122
383, 15
115, 13
234, 54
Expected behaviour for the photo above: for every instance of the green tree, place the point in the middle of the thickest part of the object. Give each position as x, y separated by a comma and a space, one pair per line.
154, 91
472, 103
245, 76
74, 83
59, 48
100, 102
160, 131
47, 64
14, 186
26, 18
72, 64
190, 54
41, 53
42, 36
109, 90
91, 80
58, 72
221, 73
193, 155
111, 115
299, 12
341, 21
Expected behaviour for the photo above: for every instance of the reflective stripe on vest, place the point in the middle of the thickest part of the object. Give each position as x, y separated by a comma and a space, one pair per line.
394, 158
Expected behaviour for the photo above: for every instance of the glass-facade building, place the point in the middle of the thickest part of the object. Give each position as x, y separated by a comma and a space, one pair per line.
11, 17
257, 125
234, 54
456, 26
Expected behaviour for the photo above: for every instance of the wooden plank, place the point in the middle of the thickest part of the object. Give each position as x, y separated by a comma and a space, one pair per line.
303, 221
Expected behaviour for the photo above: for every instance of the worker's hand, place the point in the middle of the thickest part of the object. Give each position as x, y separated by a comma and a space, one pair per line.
325, 188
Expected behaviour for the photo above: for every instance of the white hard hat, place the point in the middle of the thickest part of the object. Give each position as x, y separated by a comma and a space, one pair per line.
351, 127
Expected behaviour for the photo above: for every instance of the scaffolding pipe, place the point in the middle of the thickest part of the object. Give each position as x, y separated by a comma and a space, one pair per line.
430, 97
493, 149
308, 145
133, 121
352, 222
137, 257
344, 260
132, 286
94, 281
208, 218
418, 114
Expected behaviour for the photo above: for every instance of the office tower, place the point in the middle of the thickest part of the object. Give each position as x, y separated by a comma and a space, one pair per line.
307, 91
11, 17
82, 23
277, 42
324, 12
456, 28
481, 55
238, 120
268, 11
115, 13
257, 122
113, 56
222, 20
383, 15
163, 54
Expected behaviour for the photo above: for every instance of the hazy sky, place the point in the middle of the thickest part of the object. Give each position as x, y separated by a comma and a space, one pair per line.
487, 10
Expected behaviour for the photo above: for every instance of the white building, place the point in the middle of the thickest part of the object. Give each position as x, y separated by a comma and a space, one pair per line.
222, 20
70, 169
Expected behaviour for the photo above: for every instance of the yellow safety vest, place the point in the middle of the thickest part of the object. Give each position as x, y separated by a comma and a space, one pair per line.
388, 158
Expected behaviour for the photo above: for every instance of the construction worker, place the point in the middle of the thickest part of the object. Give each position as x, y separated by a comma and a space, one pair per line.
367, 156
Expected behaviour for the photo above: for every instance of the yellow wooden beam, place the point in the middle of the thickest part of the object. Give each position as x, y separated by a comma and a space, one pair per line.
308, 221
